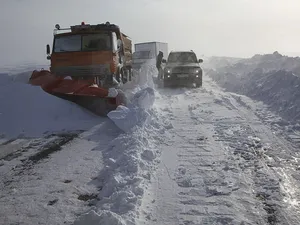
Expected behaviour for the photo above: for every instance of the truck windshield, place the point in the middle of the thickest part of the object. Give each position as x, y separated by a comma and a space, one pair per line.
185, 57
84, 42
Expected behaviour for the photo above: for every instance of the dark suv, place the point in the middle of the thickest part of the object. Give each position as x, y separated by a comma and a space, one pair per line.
182, 68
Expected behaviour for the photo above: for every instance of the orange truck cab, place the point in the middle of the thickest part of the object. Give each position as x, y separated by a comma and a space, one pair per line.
101, 53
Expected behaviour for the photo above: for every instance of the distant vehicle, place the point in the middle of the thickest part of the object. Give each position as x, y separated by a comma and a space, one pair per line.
182, 68
147, 52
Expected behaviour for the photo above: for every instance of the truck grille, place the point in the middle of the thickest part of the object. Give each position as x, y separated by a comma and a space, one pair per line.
82, 71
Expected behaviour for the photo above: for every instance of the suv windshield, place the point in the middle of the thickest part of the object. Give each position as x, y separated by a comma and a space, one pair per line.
83, 42
188, 57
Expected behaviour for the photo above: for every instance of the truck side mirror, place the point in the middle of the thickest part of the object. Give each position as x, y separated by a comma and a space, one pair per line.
200, 60
164, 61
48, 52
119, 45
48, 49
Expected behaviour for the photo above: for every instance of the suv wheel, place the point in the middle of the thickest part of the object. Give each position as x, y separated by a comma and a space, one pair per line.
199, 84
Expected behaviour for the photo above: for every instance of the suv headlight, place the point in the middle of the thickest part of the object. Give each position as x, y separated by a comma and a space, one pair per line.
168, 71
197, 70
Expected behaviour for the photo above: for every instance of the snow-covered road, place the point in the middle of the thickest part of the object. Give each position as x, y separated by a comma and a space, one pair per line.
204, 157
50, 181
223, 165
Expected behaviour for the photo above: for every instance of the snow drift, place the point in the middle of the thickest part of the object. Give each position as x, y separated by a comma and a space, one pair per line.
272, 78
141, 96
130, 158
136, 112
29, 111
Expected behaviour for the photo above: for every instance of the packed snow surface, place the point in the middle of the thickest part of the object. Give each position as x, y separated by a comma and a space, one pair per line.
223, 162
171, 156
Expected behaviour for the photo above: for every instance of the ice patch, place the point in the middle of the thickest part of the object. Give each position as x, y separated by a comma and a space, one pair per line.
105, 218
148, 155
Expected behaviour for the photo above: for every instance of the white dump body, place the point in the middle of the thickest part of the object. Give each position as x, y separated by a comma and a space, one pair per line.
147, 53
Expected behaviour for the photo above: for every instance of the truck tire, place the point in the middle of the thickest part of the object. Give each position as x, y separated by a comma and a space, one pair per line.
126, 75
118, 75
165, 85
130, 72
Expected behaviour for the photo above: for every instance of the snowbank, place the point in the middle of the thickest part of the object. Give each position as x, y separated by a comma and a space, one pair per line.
272, 78
136, 112
129, 163
19, 69
141, 96
130, 159
28, 111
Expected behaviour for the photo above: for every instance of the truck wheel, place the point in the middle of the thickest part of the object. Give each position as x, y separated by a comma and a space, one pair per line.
126, 75
123, 76
165, 84
118, 76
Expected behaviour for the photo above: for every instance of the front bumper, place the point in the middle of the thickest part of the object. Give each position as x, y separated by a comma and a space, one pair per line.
182, 79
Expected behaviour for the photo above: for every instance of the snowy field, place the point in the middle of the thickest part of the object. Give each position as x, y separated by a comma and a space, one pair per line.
273, 79
182, 156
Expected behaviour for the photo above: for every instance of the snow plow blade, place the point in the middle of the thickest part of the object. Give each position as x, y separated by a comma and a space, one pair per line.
82, 92
98, 105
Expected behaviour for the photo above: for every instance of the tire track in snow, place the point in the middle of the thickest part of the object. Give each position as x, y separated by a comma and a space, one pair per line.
26, 153
269, 183
283, 201
220, 171
207, 187
57, 189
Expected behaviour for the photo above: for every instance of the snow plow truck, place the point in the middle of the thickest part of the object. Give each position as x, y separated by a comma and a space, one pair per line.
88, 64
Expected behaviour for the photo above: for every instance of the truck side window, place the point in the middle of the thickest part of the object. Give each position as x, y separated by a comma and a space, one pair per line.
114, 42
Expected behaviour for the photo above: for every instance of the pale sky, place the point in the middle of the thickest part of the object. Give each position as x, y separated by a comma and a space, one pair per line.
239, 28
